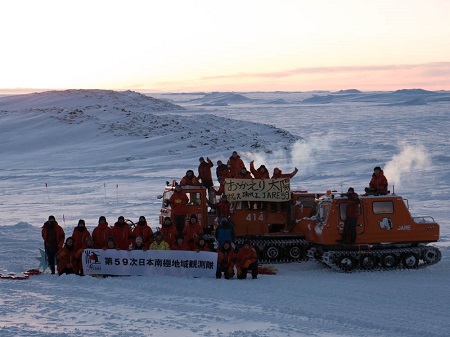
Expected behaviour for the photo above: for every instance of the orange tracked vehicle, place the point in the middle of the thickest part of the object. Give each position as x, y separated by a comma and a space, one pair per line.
285, 225
387, 235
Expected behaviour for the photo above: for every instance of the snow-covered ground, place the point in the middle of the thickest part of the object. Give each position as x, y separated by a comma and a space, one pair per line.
81, 154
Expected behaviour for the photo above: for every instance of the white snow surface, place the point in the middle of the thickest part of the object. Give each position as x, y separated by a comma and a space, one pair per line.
109, 153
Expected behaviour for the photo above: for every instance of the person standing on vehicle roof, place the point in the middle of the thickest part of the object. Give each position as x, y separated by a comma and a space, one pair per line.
235, 164
178, 201
204, 174
222, 170
351, 217
53, 236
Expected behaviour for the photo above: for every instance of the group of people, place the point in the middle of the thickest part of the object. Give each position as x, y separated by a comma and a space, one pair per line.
234, 168
66, 254
378, 185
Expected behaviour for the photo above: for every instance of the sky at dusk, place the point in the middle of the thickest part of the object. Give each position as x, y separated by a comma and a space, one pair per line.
208, 45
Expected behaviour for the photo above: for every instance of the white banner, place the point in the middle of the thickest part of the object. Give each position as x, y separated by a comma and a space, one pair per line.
150, 262
258, 189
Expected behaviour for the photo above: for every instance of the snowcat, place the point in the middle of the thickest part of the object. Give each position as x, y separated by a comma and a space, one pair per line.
387, 235
285, 226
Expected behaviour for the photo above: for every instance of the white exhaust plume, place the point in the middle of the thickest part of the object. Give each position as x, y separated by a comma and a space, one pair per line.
410, 159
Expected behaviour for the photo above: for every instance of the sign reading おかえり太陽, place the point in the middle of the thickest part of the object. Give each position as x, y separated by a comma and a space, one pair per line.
149, 262
258, 189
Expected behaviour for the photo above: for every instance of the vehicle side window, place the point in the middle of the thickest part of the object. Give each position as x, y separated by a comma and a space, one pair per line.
383, 207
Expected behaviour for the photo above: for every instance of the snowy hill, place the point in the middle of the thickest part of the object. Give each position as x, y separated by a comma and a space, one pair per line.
128, 117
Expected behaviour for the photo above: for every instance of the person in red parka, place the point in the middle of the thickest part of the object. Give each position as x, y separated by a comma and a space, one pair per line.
246, 259
235, 164
351, 217
180, 244
260, 173
88, 243
192, 232
122, 234
178, 201
223, 207
101, 233
378, 184
222, 170
189, 179
204, 171
53, 236
225, 261
277, 173
143, 230
79, 235
67, 262
169, 231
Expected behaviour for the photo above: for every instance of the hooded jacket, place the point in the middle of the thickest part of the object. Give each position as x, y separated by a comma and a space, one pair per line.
143, 230
235, 165
53, 235
100, 235
259, 174
379, 183
277, 173
122, 235
79, 235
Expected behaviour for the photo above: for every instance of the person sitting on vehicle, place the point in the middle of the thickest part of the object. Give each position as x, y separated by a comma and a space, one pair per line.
67, 263
178, 201
235, 164
189, 179
378, 184
122, 234
159, 243
192, 232
143, 230
179, 244
260, 173
79, 235
225, 231
169, 231
53, 236
351, 217
201, 245
101, 233
225, 261
222, 170
246, 259
277, 173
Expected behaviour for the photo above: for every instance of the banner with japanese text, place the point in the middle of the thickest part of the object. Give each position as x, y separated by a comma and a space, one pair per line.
150, 262
258, 189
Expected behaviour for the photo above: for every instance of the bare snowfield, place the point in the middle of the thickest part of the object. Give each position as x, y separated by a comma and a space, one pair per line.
83, 153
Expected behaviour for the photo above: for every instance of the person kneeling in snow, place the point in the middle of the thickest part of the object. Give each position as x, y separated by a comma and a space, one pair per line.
67, 262
246, 259
225, 261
